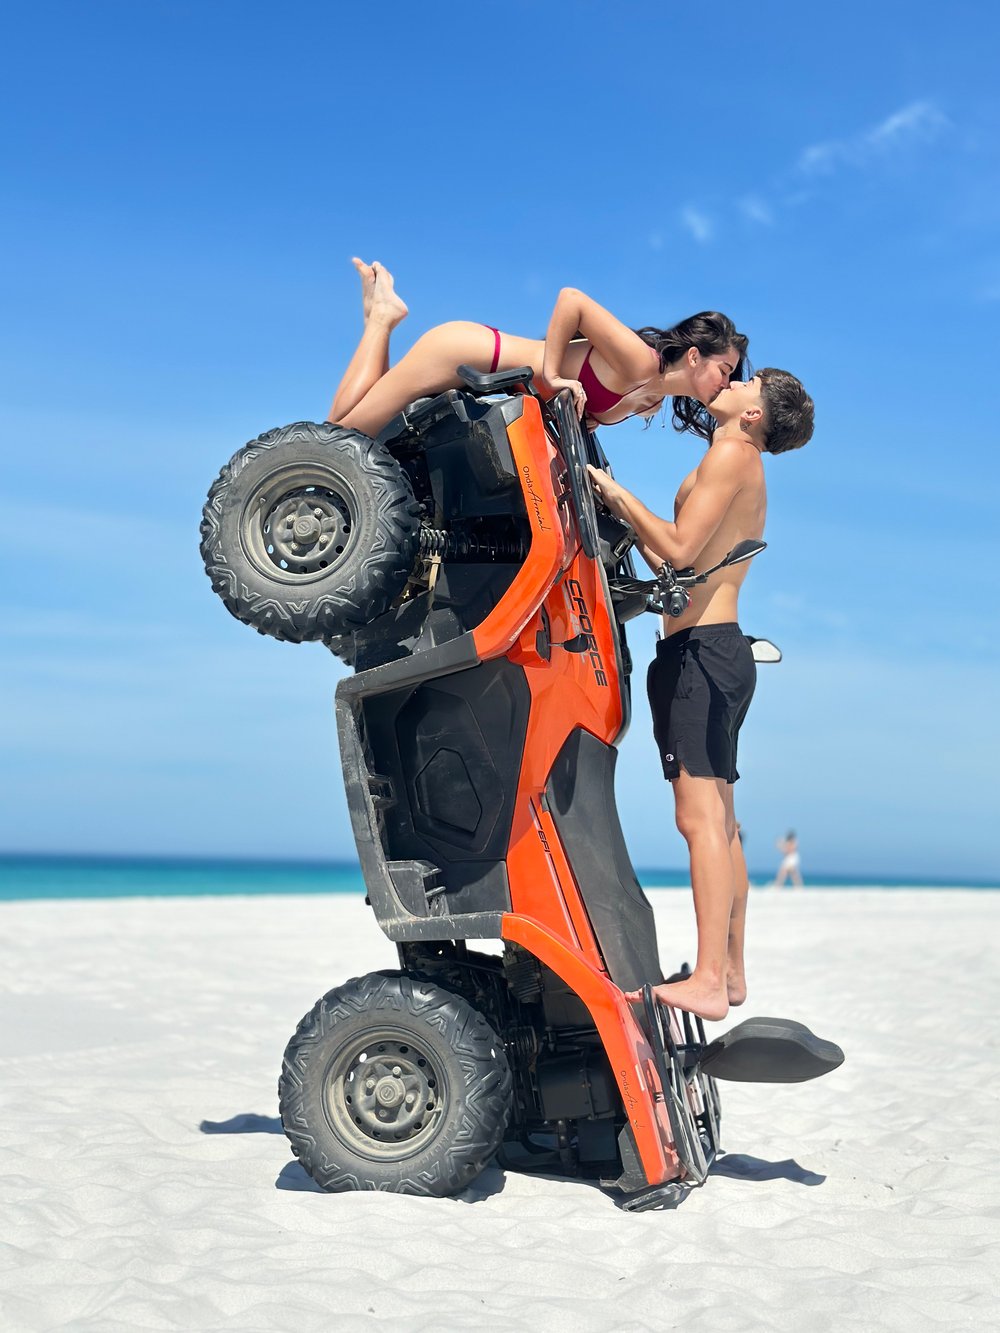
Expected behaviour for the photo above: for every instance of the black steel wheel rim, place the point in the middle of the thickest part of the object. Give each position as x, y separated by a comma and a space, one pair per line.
385, 1095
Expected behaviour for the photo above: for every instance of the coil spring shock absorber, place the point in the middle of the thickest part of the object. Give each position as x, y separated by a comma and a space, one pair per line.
438, 542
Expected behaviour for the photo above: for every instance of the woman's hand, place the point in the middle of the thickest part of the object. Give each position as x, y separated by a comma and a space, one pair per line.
557, 382
612, 496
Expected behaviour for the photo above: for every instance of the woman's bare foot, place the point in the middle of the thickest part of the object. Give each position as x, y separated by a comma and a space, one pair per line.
691, 995
387, 305
366, 272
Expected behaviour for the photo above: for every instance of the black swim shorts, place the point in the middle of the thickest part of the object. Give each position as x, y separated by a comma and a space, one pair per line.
700, 685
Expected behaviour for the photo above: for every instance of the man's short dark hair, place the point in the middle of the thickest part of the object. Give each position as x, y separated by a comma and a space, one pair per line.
788, 411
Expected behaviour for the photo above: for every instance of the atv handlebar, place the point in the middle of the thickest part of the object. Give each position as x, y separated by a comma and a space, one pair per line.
669, 593
674, 585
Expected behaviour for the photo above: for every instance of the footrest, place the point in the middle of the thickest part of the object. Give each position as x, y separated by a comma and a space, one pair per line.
694, 1127
770, 1050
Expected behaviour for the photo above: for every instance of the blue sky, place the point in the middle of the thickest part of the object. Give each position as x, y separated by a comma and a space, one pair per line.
181, 194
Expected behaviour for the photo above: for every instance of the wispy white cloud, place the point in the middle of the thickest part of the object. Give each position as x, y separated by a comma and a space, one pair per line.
820, 159
756, 209
916, 123
699, 224
920, 121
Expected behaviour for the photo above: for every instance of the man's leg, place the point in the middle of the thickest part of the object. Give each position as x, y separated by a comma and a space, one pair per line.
736, 984
703, 821
382, 310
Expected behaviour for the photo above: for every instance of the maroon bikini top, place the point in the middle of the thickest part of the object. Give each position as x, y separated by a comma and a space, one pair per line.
600, 398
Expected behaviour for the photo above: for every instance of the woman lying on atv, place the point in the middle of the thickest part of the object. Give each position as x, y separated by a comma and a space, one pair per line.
613, 372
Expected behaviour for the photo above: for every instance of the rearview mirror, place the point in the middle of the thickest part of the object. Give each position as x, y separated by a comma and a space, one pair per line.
744, 551
764, 650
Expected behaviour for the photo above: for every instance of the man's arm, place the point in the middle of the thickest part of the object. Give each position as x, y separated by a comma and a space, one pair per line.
718, 480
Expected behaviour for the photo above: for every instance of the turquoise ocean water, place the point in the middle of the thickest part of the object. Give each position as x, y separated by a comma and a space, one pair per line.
30, 877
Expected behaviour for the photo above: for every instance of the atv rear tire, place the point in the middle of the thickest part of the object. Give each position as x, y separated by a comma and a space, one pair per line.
309, 532
393, 1083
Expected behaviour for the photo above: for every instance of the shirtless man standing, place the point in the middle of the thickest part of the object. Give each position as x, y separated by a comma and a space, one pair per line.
702, 679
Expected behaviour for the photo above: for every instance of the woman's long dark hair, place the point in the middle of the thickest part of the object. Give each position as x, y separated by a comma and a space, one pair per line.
713, 334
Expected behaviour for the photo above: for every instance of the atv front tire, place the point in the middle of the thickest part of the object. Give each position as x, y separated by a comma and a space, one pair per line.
393, 1083
309, 532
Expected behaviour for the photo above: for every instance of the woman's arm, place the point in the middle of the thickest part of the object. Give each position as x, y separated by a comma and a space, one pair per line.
625, 361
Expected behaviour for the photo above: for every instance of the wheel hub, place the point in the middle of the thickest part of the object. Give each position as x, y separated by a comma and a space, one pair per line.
385, 1097
393, 1099
389, 1092
298, 524
304, 530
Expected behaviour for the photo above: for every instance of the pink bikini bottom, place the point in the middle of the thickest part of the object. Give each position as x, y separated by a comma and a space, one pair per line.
496, 347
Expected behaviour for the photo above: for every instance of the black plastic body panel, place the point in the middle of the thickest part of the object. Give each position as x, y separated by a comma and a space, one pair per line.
403, 893
452, 750
466, 482
469, 461
432, 748
581, 799
464, 596
455, 451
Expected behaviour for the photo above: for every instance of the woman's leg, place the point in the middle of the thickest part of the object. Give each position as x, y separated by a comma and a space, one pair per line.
429, 367
382, 310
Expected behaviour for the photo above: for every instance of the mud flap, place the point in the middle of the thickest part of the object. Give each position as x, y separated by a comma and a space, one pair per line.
770, 1050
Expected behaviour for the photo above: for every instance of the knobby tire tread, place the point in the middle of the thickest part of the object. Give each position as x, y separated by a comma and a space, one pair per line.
358, 589
480, 1082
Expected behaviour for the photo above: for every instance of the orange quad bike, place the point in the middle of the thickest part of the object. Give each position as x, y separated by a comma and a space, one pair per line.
459, 564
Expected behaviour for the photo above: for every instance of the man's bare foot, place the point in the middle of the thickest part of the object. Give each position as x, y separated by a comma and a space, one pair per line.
691, 995
366, 272
736, 988
386, 305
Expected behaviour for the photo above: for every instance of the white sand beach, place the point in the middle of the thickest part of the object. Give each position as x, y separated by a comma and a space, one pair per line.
147, 1184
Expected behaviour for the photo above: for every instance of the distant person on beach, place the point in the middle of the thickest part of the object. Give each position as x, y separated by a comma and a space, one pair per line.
612, 371
702, 679
788, 846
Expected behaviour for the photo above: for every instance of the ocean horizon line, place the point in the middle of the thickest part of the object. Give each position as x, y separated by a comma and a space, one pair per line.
27, 875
